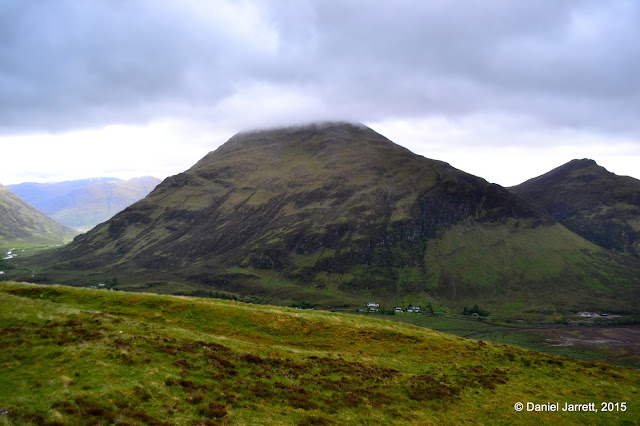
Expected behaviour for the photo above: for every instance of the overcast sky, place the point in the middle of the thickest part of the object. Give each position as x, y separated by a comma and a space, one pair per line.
502, 89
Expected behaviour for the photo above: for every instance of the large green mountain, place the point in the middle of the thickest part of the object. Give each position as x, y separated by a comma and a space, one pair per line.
336, 213
589, 200
22, 224
84, 203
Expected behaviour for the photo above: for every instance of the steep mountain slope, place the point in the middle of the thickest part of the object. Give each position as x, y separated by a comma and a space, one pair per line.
84, 203
600, 206
21, 223
336, 213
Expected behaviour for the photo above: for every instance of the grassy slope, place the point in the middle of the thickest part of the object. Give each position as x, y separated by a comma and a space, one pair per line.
78, 356
23, 225
491, 262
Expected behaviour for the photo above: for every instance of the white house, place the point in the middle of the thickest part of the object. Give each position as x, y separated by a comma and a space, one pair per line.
373, 306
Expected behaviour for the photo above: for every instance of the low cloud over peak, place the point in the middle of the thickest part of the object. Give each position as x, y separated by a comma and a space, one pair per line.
557, 65
68, 63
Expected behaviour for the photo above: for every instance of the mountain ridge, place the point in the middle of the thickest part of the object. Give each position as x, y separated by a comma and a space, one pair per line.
591, 201
337, 213
84, 203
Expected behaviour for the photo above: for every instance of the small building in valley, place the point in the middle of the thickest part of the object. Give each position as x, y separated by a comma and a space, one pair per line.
372, 306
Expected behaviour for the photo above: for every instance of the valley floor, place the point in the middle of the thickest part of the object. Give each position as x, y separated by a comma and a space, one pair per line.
614, 344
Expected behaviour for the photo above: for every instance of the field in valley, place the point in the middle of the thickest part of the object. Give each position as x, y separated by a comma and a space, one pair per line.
617, 344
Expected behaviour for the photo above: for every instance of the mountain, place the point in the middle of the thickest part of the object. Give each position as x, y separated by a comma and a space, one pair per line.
43, 193
84, 203
22, 224
336, 213
589, 200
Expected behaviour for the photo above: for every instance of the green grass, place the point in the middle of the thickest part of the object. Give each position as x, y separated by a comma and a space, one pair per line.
540, 266
80, 356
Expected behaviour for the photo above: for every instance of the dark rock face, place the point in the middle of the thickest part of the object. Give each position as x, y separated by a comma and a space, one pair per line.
598, 205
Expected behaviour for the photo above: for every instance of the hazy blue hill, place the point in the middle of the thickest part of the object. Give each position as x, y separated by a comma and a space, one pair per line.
84, 203
42, 194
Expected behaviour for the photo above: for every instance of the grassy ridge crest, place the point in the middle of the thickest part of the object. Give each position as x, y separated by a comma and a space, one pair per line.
81, 356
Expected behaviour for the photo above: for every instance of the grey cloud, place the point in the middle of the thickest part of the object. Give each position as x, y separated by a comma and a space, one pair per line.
110, 60
65, 64
567, 63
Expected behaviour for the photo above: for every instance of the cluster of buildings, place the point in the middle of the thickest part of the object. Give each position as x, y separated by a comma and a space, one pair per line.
591, 314
375, 307
101, 285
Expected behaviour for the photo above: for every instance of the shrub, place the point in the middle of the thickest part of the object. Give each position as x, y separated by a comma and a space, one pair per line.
213, 410
475, 310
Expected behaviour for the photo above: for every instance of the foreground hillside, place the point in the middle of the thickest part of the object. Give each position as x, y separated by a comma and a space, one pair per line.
337, 214
80, 356
84, 203
591, 201
22, 224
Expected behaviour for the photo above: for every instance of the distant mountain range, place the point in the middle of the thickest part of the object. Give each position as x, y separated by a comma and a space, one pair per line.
592, 202
84, 203
335, 213
22, 224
